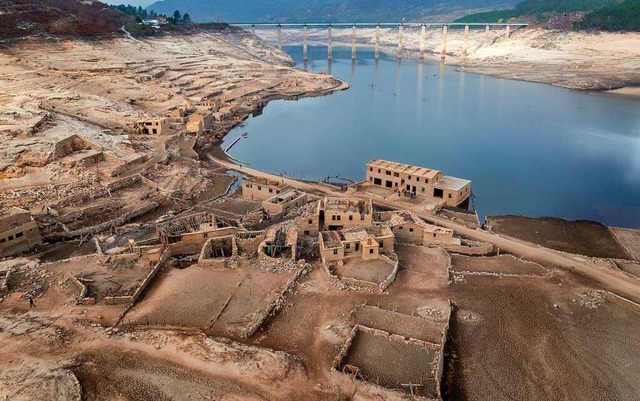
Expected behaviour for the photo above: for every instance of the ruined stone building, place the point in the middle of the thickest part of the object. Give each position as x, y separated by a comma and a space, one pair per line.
178, 115
18, 232
339, 213
419, 182
261, 189
154, 126
280, 204
363, 242
200, 121
187, 235
411, 229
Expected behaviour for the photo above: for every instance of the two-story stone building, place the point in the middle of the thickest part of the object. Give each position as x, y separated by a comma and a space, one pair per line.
419, 182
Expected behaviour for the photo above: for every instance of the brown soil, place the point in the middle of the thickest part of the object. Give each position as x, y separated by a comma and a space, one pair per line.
632, 268
429, 330
220, 301
503, 264
65, 250
132, 375
391, 363
373, 271
580, 237
508, 341
630, 240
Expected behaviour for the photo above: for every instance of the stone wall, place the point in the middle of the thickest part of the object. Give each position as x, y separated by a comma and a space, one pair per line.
4, 284
69, 145
138, 161
277, 304
146, 208
82, 298
467, 247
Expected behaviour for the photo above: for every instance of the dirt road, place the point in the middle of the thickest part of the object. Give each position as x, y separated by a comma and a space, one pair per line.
611, 280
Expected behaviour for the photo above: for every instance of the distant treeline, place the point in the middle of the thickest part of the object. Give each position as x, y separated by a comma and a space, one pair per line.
142, 14
612, 15
624, 16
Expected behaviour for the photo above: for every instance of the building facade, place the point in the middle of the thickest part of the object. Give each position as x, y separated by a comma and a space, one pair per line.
340, 213
419, 182
155, 126
365, 243
18, 232
261, 189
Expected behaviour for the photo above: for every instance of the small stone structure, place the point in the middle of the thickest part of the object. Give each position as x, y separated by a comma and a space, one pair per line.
397, 351
363, 242
338, 213
217, 250
187, 235
153, 126
411, 229
280, 204
280, 242
261, 189
18, 232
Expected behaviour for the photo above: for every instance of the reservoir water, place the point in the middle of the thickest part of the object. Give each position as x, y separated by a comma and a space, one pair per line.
530, 149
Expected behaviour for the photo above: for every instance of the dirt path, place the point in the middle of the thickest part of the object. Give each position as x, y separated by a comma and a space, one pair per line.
612, 280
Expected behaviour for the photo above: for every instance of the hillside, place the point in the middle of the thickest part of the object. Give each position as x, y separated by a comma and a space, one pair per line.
58, 17
325, 10
567, 13
619, 17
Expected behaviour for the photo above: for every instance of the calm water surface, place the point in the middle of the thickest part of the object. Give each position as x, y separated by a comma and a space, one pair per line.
530, 149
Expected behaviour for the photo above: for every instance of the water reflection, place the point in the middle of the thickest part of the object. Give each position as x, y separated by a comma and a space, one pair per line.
529, 148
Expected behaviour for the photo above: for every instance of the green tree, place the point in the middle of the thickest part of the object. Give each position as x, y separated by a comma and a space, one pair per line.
176, 17
186, 18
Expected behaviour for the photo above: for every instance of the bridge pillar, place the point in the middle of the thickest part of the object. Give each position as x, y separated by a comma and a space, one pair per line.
279, 36
329, 50
486, 35
508, 29
304, 43
443, 52
377, 48
423, 37
400, 29
253, 29
465, 44
353, 42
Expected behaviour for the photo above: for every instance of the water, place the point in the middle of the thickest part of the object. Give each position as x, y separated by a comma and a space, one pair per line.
530, 149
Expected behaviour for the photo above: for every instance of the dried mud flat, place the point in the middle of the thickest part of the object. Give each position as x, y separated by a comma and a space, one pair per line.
579, 237
541, 339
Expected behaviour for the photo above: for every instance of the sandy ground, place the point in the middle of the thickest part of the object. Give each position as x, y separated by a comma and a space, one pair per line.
579, 237
575, 60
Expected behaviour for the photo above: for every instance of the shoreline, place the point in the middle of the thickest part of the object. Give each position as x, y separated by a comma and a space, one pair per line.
219, 152
581, 61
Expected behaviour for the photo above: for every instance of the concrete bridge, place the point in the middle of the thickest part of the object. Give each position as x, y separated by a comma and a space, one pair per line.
400, 25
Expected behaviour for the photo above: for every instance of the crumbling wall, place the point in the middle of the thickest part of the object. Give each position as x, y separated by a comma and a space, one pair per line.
472, 248
82, 298
69, 145
391, 278
138, 161
4, 284
207, 260
146, 208
249, 246
192, 243
131, 300
123, 183
277, 304
437, 374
